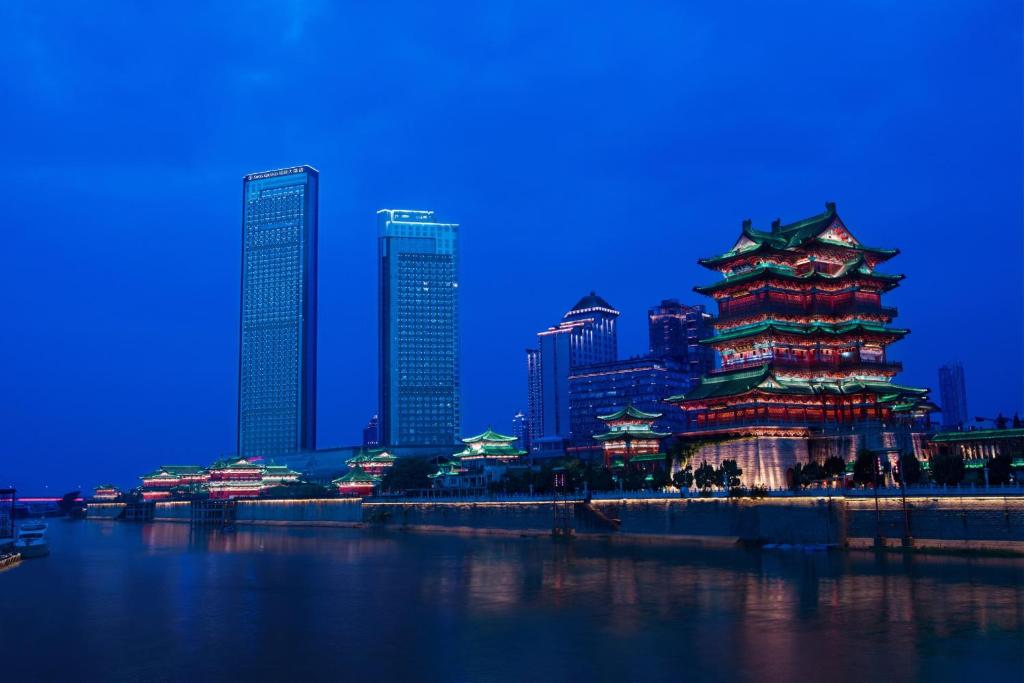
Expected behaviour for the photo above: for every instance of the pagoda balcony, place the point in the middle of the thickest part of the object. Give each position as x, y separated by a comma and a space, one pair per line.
731, 312
817, 365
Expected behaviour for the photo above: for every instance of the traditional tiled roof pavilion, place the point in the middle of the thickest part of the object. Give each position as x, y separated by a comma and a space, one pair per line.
631, 437
802, 334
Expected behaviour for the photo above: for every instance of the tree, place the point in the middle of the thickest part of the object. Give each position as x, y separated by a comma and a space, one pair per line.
729, 474
865, 468
659, 478
601, 479
704, 477
947, 468
910, 469
678, 450
834, 466
408, 473
813, 472
633, 480
796, 476
683, 479
999, 469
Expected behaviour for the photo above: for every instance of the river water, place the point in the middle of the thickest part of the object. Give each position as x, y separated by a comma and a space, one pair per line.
153, 602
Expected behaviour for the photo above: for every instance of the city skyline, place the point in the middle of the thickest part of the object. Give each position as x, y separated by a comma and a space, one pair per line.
623, 200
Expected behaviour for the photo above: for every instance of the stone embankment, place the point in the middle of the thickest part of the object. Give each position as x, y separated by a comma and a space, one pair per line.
935, 522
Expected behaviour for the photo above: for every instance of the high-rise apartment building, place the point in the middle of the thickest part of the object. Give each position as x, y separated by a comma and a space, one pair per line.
519, 429
675, 332
586, 335
418, 265
953, 394
278, 329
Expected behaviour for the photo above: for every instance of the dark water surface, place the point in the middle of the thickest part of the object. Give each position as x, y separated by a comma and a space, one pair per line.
126, 602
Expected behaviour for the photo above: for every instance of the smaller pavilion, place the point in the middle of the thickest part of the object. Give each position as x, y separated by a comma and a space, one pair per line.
357, 483
238, 478
631, 440
105, 493
375, 461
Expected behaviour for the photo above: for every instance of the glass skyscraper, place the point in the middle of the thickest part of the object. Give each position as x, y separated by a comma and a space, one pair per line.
953, 393
586, 335
277, 348
418, 266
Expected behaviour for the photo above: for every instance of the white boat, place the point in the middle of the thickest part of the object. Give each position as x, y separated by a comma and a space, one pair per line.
31, 540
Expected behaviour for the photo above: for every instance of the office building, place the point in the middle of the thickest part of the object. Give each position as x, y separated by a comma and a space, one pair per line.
371, 433
278, 329
675, 331
519, 430
604, 388
953, 394
418, 314
585, 335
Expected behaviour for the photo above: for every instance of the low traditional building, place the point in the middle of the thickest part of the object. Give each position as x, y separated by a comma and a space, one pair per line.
486, 457
279, 475
375, 461
106, 493
631, 441
237, 478
976, 446
357, 482
172, 480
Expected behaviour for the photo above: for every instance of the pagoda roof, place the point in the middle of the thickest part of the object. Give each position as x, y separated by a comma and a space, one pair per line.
804, 329
105, 486
975, 435
589, 302
183, 469
625, 434
490, 435
647, 457
498, 450
279, 469
793, 235
762, 379
157, 474
357, 476
855, 266
629, 411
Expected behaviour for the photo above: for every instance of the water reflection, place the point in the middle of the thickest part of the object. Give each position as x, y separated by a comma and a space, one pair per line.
272, 602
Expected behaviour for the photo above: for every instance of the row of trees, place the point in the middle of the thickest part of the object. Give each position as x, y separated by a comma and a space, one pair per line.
706, 477
871, 470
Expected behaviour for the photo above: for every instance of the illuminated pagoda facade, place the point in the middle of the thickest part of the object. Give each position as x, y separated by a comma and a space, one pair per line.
278, 475
485, 458
237, 478
173, 480
631, 441
357, 482
105, 493
803, 335
376, 461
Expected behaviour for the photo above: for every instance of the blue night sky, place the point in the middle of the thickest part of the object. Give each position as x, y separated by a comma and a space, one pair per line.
586, 146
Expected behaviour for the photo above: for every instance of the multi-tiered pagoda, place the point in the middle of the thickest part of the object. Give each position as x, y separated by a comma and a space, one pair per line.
803, 336
631, 440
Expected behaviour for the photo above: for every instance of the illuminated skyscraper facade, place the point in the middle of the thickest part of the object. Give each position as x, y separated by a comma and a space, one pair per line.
953, 394
278, 327
587, 334
418, 316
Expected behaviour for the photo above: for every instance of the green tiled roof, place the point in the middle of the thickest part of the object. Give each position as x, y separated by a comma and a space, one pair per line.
804, 329
978, 434
630, 411
793, 235
498, 450
648, 457
630, 434
489, 435
357, 476
762, 379
183, 469
784, 272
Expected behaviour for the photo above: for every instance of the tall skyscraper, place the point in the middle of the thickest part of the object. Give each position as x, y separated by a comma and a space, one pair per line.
277, 346
371, 433
418, 266
953, 393
586, 335
519, 430
675, 332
